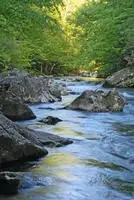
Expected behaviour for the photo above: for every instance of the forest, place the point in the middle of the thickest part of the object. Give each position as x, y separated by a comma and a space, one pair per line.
67, 99
66, 36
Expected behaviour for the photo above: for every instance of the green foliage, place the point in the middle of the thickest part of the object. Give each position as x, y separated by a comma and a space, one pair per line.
63, 36
107, 30
29, 28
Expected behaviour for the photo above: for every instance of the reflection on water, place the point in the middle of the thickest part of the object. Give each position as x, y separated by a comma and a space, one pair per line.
99, 165
127, 130
60, 159
121, 185
92, 79
63, 130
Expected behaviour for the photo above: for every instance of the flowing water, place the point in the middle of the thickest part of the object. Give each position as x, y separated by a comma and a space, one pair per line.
99, 165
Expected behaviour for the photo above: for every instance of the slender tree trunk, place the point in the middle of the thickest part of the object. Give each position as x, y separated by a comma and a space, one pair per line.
52, 68
41, 68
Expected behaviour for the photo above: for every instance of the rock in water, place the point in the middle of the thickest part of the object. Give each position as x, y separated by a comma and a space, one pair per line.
18, 143
98, 101
19, 88
14, 145
50, 120
9, 183
16, 110
123, 78
13, 106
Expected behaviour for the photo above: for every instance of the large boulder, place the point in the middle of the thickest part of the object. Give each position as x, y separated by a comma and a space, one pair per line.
13, 107
19, 88
14, 145
21, 143
98, 101
9, 183
29, 89
16, 110
123, 78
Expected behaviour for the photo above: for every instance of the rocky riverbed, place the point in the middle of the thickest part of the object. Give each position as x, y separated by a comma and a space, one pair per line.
97, 165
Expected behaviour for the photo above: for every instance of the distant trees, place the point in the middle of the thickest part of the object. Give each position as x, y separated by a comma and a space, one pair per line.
29, 29
61, 36
107, 30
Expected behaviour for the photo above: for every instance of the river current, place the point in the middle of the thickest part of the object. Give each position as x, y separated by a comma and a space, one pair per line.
99, 165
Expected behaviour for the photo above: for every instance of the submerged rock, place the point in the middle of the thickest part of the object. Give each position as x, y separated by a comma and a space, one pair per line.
98, 101
123, 78
9, 183
50, 120
49, 143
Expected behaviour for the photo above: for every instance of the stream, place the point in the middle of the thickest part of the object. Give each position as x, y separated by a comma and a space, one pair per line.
99, 165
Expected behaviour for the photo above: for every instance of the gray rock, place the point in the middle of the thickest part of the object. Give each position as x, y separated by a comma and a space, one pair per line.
19, 88
58, 88
14, 145
21, 143
55, 89
41, 137
49, 143
16, 110
27, 88
13, 107
9, 183
16, 72
50, 120
65, 92
98, 101
123, 78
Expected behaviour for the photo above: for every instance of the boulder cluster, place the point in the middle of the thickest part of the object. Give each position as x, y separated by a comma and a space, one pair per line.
19, 143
